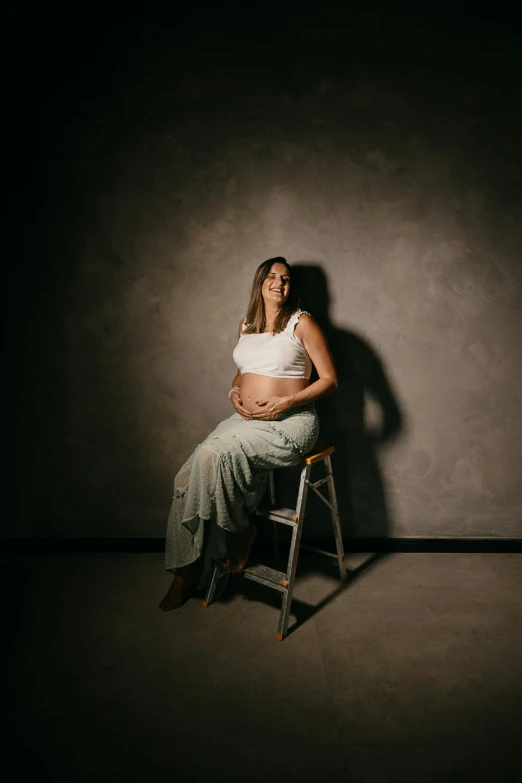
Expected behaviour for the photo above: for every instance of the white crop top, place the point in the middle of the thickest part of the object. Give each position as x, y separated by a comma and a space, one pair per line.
281, 355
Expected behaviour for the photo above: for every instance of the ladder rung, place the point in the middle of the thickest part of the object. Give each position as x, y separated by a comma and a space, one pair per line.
334, 555
266, 576
283, 515
284, 540
321, 481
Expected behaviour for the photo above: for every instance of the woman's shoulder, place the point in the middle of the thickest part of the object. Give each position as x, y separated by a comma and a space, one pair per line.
301, 314
302, 323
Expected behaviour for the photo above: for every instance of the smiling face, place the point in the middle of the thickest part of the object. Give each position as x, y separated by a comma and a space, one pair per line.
276, 286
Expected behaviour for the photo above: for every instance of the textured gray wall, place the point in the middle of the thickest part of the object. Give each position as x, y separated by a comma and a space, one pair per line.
399, 196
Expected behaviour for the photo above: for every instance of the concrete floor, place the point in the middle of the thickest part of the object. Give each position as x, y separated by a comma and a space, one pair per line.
413, 672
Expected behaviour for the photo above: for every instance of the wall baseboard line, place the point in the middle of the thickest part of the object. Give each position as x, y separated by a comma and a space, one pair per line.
40, 545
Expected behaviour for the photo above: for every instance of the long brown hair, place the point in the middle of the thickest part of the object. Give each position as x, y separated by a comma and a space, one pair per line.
255, 318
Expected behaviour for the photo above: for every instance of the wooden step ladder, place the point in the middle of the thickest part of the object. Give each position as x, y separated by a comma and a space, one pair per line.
284, 580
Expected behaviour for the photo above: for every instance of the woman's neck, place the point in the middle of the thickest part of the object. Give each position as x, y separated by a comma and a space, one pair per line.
271, 313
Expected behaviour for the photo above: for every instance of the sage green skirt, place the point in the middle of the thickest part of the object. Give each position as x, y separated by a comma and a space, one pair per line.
224, 480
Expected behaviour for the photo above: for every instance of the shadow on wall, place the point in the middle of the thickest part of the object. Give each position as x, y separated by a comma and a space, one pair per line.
358, 477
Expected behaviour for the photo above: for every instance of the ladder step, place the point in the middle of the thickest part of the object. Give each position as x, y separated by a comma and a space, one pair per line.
283, 515
266, 576
320, 482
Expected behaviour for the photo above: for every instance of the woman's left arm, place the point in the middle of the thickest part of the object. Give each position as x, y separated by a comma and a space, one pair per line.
315, 343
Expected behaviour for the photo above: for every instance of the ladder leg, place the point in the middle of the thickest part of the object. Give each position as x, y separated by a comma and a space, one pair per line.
335, 519
219, 571
294, 554
272, 487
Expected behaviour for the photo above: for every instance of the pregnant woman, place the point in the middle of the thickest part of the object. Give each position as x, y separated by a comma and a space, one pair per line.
218, 489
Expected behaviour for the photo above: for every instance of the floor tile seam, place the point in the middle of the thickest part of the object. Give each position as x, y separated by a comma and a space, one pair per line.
289, 745
312, 619
258, 745
334, 711
435, 746
98, 611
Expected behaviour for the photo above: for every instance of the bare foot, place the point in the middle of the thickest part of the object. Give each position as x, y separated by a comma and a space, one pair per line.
240, 545
181, 588
174, 596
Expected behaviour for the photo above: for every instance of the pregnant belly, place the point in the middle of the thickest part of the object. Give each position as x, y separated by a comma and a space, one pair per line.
258, 387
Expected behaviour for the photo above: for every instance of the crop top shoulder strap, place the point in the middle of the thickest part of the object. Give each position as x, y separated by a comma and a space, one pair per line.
292, 321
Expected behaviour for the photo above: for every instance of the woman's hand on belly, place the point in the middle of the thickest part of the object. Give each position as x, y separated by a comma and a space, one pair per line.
271, 408
267, 398
237, 402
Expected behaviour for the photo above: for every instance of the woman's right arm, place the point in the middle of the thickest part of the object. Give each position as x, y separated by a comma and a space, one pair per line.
235, 397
